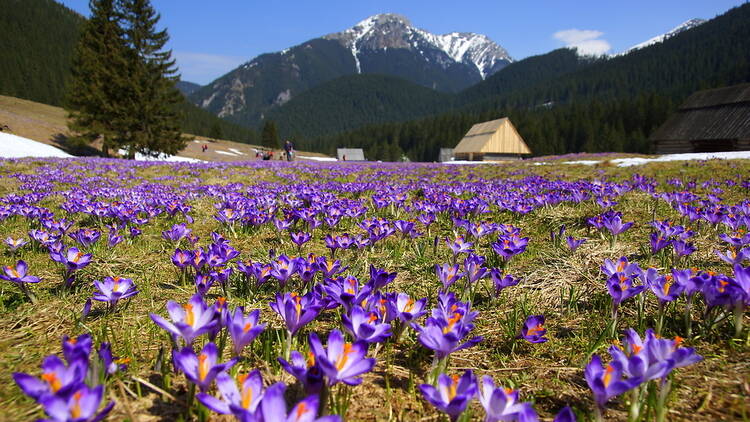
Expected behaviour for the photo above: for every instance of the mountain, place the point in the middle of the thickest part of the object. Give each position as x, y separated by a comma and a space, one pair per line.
382, 44
690, 24
186, 87
592, 105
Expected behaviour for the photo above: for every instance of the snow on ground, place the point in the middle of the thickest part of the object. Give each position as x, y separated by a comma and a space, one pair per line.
306, 157
636, 161
584, 162
13, 146
462, 162
236, 151
231, 154
161, 157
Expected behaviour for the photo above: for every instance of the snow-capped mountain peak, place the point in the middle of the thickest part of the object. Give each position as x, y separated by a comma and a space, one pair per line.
690, 24
393, 31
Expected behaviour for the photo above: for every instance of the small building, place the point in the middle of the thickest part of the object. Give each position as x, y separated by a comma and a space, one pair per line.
446, 154
495, 140
350, 154
711, 120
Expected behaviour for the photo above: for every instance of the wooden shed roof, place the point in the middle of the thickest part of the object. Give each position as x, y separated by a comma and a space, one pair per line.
493, 137
713, 114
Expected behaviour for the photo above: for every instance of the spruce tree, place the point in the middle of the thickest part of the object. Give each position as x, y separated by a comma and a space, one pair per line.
98, 79
153, 121
269, 137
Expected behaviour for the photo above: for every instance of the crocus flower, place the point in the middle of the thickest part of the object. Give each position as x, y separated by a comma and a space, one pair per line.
502, 404
459, 245
297, 311
448, 274
176, 232
80, 406
57, 378
510, 245
243, 328
501, 280
113, 239
86, 237
658, 242
182, 258
607, 383
283, 268
242, 402
365, 326
201, 369
18, 274
203, 283
734, 257
683, 248
574, 243
14, 244
533, 329
663, 287
565, 415
114, 289
452, 394
407, 309
341, 361
621, 288
615, 224
273, 408
74, 259
300, 238
189, 320
306, 371
379, 278
110, 363
446, 337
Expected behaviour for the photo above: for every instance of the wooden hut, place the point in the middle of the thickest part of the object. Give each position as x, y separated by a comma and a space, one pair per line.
350, 154
491, 141
712, 120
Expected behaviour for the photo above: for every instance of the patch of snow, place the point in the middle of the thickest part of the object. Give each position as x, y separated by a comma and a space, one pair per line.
236, 151
307, 157
584, 162
462, 162
728, 155
14, 146
226, 153
692, 23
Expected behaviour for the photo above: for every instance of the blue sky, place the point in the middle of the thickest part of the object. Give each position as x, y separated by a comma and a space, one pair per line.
210, 38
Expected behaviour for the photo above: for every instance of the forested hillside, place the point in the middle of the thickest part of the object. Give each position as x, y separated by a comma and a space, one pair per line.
37, 40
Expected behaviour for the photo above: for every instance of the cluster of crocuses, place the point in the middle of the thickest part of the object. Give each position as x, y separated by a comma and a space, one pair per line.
73, 389
610, 220
719, 292
634, 363
453, 394
674, 235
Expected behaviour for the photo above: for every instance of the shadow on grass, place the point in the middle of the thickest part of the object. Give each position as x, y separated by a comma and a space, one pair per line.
74, 147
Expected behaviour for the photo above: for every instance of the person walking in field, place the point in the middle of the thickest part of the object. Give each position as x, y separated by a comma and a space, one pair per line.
289, 149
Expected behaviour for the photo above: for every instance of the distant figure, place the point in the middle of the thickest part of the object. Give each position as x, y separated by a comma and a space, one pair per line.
204, 147
289, 148
257, 154
343, 158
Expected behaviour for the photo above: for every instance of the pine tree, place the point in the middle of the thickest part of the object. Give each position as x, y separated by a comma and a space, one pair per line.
153, 121
269, 137
98, 79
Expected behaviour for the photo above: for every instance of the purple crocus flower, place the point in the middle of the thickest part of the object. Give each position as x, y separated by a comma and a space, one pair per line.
85, 237
502, 404
501, 280
663, 287
452, 394
615, 224
80, 406
734, 257
533, 329
300, 238
621, 288
110, 363
57, 378
283, 268
365, 326
341, 361
565, 415
189, 320
574, 243
459, 245
176, 233
273, 408
296, 311
379, 278
658, 242
203, 283
608, 382
405, 308
683, 248
446, 336
15, 244
114, 289
113, 239
510, 245
306, 371
241, 402
19, 274
243, 328
74, 259
448, 274
201, 369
